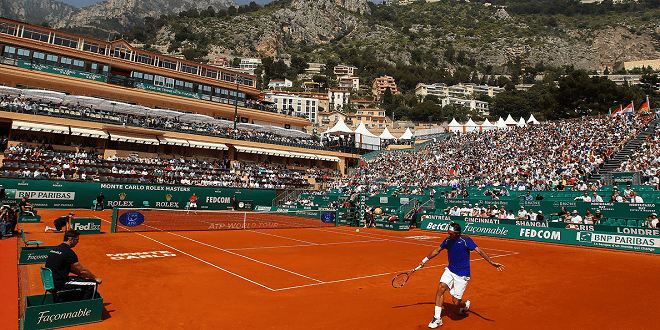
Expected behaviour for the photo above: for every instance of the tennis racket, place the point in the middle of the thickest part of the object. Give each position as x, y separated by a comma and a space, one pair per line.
402, 278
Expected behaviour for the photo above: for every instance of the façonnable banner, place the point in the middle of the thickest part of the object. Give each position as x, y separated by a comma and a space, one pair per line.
636, 241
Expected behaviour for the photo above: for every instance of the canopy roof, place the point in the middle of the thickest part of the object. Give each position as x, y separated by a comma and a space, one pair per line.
386, 135
509, 121
340, 127
407, 135
486, 123
362, 129
532, 120
521, 122
471, 123
454, 123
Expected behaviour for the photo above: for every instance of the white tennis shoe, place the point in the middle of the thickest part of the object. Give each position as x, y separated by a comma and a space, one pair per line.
435, 323
465, 309
47, 229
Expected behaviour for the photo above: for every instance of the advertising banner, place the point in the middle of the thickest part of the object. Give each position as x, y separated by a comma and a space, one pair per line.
623, 241
86, 225
75, 194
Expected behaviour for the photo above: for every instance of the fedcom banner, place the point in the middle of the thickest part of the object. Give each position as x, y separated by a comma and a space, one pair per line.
632, 242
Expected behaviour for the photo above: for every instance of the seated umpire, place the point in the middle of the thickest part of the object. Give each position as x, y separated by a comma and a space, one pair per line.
62, 261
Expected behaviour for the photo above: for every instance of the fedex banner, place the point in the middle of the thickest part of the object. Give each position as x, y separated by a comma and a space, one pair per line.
637, 241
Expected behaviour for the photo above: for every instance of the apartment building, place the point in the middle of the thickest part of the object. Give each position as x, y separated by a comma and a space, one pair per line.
380, 84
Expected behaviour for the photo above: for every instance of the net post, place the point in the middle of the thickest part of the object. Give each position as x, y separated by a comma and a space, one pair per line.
113, 224
244, 219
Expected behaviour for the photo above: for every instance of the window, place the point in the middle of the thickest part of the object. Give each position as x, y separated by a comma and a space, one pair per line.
65, 41
90, 46
122, 52
52, 59
35, 34
178, 84
78, 65
211, 73
38, 57
144, 58
169, 82
168, 64
148, 78
10, 52
23, 54
188, 86
189, 68
138, 75
65, 62
159, 80
7, 28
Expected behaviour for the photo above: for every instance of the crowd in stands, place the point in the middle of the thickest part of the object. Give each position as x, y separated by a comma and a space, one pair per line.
541, 157
45, 163
646, 160
76, 111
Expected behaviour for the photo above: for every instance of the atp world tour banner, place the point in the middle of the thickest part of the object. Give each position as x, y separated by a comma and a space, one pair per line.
77, 194
610, 240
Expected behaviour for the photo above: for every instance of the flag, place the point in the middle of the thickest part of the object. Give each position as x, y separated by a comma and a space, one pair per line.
629, 109
645, 108
616, 112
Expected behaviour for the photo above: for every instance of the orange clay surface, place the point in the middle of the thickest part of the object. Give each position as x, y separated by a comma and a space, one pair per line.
337, 278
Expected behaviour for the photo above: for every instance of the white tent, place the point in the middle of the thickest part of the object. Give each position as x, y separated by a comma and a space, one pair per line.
521, 122
471, 126
486, 125
510, 122
454, 126
532, 120
362, 129
386, 135
500, 123
340, 127
365, 139
407, 135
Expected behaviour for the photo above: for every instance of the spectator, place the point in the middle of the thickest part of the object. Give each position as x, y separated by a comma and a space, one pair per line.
576, 218
634, 198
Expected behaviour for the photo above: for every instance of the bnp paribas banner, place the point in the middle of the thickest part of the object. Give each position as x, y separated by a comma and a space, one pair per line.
75, 194
544, 233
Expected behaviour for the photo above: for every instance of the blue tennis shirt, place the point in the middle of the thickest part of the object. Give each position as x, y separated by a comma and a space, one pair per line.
458, 253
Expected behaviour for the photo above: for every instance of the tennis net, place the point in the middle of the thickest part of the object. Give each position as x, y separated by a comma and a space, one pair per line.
148, 219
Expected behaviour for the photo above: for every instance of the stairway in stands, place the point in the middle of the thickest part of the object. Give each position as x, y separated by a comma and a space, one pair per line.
613, 163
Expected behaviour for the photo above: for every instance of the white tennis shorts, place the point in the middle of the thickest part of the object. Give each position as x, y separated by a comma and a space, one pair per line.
456, 284
192, 205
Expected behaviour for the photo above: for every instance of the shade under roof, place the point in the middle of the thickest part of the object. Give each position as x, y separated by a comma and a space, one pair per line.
208, 145
95, 133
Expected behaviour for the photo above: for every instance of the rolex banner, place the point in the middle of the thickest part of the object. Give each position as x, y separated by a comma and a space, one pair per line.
611, 240
76, 194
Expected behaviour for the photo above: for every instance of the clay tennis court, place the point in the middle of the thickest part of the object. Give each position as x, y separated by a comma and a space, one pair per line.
337, 278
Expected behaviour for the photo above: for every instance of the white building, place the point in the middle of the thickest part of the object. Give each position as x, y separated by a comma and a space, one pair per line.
480, 106
249, 64
279, 84
459, 91
296, 105
337, 98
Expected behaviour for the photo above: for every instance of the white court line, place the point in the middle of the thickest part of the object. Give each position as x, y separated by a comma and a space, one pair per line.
303, 245
376, 275
242, 256
319, 282
204, 261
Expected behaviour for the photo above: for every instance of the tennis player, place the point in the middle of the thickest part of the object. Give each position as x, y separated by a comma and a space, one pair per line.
192, 203
457, 274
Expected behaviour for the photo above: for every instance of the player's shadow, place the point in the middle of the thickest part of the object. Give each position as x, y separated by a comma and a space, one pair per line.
416, 304
449, 310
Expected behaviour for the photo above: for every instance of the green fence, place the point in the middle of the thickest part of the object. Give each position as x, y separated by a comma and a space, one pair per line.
620, 240
74, 194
